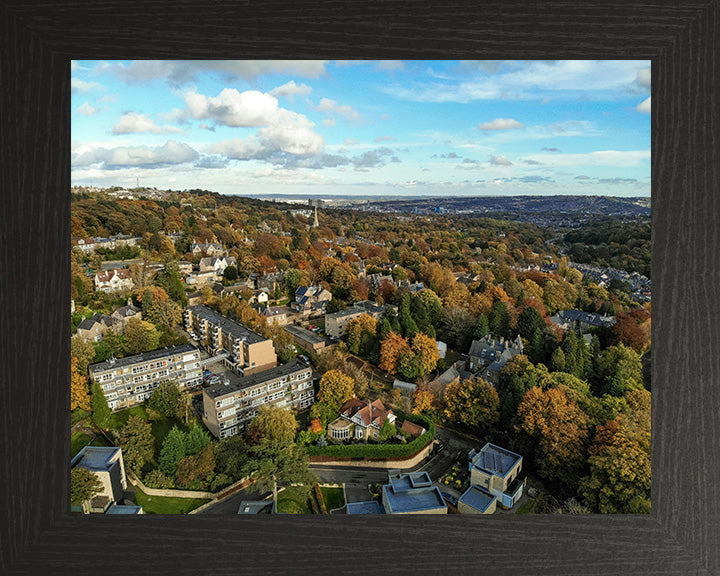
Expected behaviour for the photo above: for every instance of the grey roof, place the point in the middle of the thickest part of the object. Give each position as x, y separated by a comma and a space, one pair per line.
230, 326
240, 383
255, 507
477, 497
346, 312
369, 507
495, 460
123, 509
412, 499
96, 457
88, 323
590, 318
304, 333
144, 357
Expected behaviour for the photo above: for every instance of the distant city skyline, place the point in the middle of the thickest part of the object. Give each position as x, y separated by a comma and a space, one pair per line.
367, 128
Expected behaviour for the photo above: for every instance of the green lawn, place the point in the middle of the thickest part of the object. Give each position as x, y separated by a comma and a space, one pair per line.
78, 441
526, 507
167, 505
293, 500
333, 497
160, 427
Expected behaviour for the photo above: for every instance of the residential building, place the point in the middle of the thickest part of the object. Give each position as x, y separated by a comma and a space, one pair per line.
360, 420
129, 381
87, 245
279, 315
94, 328
124, 509
415, 430
336, 323
260, 296
497, 470
412, 493
581, 321
201, 278
230, 406
477, 500
207, 248
216, 264
107, 464
270, 281
306, 339
368, 507
488, 356
248, 352
120, 317
184, 267
114, 280
309, 299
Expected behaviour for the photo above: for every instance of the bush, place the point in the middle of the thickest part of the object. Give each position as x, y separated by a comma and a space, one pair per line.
156, 479
320, 499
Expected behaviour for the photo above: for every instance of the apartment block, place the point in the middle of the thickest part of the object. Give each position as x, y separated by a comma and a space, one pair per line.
336, 323
247, 352
229, 407
129, 381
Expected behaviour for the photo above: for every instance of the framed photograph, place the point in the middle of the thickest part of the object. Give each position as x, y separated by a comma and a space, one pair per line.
207, 89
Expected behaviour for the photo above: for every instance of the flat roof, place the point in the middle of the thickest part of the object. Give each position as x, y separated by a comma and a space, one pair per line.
255, 507
495, 460
227, 325
96, 457
123, 509
415, 500
143, 357
240, 383
304, 333
369, 507
346, 312
477, 497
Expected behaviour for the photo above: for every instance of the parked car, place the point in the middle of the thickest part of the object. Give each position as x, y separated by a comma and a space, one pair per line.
449, 498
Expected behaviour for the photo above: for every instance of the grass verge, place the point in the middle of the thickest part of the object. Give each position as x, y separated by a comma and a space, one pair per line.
167, 504
334, 497
293, 500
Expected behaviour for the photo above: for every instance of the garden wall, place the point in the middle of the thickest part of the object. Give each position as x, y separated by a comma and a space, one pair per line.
367, 463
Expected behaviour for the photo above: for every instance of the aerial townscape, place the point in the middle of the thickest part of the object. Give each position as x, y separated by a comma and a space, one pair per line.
314, 311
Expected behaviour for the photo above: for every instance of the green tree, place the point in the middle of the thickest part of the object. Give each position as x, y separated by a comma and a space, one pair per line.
273, 423
166, 399
165, 313
387, 430
619, 369
147, 301
324, 411
272, 463
557, 361
230, 273
192, 469
173, 450
529, 320
140, 336
231, 455
137, 443
100, 410
169, 279
195, 439
499, 320
482, 327
84, 486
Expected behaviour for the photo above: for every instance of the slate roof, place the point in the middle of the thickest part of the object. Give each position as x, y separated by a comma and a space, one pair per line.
240, 383
88, 323
495, 460
144, 357
226, 325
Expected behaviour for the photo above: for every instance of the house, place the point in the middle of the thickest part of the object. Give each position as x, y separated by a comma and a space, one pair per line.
477, 500
336, 323
414, 430
87, 245
201, 278
195, 298
406, 386
129, 381
246, 351
309, 299
270, 281
412, 493
376, 280
497, 471
107, 464
488, 356
581, 321
184, 267
209, 249
440, 384
216, 264
306, 339
120, 317
279, 315
94, 328
360, 420
259, 296
368, 507
114, 280
230, 406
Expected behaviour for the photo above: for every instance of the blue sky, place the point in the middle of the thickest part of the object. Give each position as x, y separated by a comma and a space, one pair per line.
364, 127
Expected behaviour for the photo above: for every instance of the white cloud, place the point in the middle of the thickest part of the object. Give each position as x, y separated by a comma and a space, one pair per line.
233, 108
598, 158
179, 72
86, 109
290, 90
170, 153
74, 65
643, 79
390, 65
331, 107
500, 161
78, 86
501, 124
134, 123
644, 106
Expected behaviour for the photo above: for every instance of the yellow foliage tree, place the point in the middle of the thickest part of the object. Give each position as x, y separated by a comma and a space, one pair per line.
426, 351
392, 347
423, 400
336, 388
79, 395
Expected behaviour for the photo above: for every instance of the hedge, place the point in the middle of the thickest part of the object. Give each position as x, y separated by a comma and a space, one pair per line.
380, 451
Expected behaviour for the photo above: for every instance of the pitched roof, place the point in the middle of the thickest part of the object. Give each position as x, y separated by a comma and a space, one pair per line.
107, 275
413, 429
355, 406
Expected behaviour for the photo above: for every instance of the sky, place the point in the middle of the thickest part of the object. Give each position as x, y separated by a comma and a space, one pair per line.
368, 128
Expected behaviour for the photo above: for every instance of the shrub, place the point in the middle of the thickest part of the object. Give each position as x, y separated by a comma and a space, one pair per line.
320, 499
157, 479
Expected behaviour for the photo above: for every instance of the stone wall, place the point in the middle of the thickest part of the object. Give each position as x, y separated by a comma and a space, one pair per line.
382, 464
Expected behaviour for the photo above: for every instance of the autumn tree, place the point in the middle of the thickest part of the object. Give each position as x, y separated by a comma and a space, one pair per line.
273, 423
423, 400
619, 458
391, 349
79, 396
558, 429
192, 469
473, 403
358, 328
84, 353
336, 388
137, 443
140, 336
426, 352
165, 313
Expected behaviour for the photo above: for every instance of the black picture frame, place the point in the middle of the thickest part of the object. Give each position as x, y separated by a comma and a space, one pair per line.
37, 535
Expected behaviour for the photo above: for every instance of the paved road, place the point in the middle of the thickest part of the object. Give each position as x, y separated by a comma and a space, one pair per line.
230, 505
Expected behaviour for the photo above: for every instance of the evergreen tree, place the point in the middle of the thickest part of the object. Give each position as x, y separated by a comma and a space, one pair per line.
536, 353
482, 329
195, 439
384, 329
557, 361
173, 450
529, 321
147, 302
500, 320
100, 410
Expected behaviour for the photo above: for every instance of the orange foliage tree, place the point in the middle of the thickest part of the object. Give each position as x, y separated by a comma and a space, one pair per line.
79, 395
